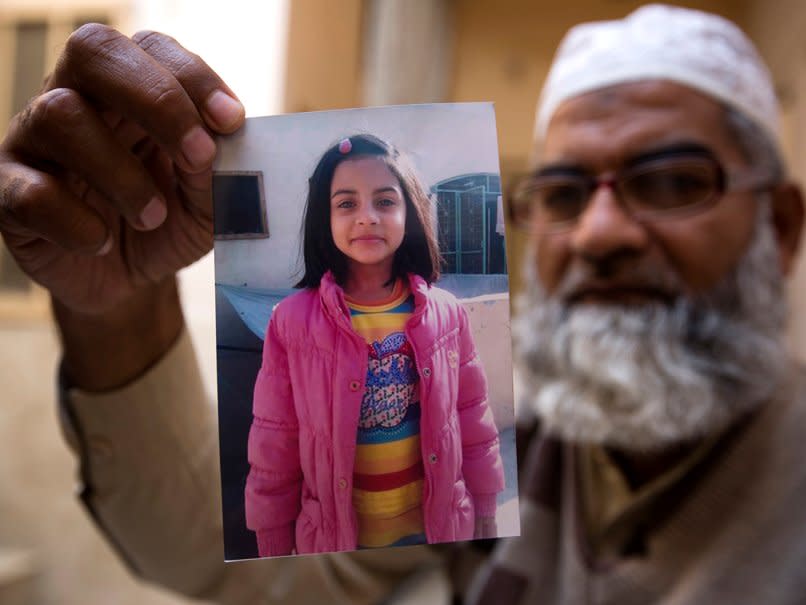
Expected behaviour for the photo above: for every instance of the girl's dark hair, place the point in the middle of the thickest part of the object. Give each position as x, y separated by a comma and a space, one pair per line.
419, 251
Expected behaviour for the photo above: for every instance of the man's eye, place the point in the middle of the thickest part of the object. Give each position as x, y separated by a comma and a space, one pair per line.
562, 201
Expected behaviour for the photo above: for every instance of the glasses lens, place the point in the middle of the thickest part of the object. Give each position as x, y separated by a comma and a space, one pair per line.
545, 203
672, 185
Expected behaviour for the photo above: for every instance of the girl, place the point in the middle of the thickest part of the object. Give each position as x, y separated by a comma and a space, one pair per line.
371, 425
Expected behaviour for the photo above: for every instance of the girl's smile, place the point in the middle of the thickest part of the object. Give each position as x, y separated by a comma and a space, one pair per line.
369, 239
367, 213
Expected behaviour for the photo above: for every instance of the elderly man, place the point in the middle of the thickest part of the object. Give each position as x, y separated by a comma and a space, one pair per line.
650, 336
665, 466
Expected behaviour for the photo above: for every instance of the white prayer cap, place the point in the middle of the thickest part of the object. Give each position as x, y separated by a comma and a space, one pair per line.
702, 51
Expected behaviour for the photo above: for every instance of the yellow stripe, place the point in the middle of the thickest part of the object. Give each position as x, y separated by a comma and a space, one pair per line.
374, 463
379, 308
371, 453
384, 320
390, 502
382, 532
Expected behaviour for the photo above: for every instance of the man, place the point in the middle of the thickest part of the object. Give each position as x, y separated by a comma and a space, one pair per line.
666, 464
650, 337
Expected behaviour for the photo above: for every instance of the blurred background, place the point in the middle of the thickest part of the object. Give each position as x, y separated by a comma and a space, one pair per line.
286, 56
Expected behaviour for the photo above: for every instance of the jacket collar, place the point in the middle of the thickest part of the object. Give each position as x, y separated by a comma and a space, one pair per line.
333, 300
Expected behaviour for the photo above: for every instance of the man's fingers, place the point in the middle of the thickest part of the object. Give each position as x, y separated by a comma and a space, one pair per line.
51, 123
113, 71
221, 109
35, 204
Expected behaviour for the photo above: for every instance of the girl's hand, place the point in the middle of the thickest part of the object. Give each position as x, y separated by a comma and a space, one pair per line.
485, 528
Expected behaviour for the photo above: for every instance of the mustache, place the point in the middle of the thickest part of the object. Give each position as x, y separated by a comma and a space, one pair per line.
582, 278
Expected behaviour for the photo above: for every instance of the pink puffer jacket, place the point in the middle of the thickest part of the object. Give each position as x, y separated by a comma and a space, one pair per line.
307, 401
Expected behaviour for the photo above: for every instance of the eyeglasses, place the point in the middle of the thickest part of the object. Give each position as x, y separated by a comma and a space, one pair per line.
657, 189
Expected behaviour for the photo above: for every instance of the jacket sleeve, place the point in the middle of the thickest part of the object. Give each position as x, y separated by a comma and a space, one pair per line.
482, 466
148, 465
272, 494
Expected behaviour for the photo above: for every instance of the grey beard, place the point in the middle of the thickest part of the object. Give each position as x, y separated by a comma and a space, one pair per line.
644, 378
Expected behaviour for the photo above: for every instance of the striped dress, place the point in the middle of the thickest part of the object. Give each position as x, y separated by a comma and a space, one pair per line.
388, 475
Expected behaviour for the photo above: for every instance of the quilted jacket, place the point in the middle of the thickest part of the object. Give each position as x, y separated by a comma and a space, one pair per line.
306, 407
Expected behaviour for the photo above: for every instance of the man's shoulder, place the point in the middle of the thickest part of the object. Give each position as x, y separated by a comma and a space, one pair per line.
772, 441
790, 403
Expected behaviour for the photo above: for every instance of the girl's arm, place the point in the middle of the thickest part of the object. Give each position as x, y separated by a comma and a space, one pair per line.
482, 466
275, 478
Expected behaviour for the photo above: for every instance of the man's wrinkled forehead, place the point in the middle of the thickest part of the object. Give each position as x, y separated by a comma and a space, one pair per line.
620, 125
699, 50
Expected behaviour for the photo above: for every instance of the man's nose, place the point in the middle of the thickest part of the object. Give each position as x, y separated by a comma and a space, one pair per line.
606, 229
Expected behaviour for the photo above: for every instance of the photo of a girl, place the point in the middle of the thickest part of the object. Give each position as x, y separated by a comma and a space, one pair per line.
371, 425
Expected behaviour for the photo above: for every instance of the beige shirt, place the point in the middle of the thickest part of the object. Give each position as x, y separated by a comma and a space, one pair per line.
737, 533
611, 508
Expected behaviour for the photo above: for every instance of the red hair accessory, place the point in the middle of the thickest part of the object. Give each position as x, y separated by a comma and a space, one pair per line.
345, 146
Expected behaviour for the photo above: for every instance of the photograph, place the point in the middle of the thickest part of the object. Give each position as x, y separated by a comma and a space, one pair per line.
363, 339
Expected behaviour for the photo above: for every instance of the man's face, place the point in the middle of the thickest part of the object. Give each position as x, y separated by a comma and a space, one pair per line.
643, 333
608, 130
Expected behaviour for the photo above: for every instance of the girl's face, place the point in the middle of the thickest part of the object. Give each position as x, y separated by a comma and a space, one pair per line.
367, 212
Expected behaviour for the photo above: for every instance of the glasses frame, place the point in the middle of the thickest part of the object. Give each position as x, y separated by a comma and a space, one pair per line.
614, 180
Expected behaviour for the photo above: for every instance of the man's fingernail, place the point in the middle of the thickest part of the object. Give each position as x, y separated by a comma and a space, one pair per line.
198, 148
153, 215
225, 111
104, 250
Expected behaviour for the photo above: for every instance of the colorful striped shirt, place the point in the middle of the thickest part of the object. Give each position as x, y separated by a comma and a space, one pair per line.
388, 476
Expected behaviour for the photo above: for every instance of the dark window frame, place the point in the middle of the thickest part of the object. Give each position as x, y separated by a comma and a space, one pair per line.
263, 216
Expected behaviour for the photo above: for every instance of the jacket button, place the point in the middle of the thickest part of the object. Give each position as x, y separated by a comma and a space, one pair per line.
354, 385
432, 458
426, 372
342, 483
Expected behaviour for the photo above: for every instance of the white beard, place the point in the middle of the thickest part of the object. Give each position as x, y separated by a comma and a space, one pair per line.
644, 378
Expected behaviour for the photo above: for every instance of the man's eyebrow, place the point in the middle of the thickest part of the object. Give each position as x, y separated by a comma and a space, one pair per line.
646, 155
559, 169
674, 149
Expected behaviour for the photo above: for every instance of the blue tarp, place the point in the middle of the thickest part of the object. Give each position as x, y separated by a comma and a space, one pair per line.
254, 305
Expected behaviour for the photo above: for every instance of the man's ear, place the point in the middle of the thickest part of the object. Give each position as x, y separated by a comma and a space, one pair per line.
787, 220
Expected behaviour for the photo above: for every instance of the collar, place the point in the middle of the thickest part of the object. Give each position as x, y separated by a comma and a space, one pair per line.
334, 302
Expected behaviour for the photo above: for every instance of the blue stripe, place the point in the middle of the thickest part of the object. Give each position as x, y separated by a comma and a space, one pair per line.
409, 540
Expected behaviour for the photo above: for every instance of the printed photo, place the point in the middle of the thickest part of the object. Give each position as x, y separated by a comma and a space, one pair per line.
363, 335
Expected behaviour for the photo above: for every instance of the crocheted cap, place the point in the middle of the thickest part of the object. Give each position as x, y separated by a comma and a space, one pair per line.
700, 50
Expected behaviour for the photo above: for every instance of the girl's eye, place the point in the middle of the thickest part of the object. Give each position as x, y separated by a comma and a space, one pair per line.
345, 204
385, 202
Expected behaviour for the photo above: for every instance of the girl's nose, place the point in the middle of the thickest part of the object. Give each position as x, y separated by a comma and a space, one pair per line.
368, 216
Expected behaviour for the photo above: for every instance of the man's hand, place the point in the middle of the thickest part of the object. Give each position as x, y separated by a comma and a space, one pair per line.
105, 176
105, 192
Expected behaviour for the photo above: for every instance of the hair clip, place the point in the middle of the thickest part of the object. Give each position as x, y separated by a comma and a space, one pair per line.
345, 146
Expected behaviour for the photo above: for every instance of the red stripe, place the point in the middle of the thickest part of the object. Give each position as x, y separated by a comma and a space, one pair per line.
379, 483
